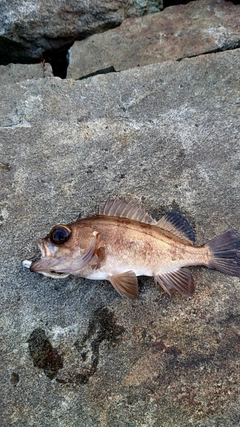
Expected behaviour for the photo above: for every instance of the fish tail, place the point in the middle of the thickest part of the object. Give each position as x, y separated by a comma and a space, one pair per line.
225, 253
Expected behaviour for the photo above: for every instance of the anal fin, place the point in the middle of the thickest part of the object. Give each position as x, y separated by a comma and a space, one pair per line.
125, 284
180, 280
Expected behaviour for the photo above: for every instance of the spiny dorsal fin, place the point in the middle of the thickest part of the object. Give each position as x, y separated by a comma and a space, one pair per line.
125, 284
129, 210
176, 224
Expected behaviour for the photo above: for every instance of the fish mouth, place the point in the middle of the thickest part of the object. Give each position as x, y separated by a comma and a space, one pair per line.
53, 274
41, 266
45, 264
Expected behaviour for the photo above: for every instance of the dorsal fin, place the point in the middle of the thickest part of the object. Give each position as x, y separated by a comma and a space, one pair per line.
173, 223
129, 210
176, 224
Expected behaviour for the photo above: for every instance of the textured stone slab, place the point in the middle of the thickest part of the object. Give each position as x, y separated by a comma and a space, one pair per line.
74, 353
18, 72
175, 33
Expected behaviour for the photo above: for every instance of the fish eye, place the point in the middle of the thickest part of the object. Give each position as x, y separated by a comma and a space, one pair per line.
59, 234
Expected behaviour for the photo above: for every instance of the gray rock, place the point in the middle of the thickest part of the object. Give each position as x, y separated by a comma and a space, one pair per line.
12, 73
142, 7
30, 28
74, 353
175, 33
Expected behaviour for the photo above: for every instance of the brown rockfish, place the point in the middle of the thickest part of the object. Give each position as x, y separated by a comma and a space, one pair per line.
123, 242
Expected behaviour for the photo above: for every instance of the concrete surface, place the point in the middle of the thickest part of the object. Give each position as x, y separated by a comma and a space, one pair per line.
74, 353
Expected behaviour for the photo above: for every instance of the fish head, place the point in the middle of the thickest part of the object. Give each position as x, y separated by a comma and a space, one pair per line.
61, 252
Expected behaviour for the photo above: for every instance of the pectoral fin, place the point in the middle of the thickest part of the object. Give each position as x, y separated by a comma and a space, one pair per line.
87, 256
180, 280
100, 256
125, 284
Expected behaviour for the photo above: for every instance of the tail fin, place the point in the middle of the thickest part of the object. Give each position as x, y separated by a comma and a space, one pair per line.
225, 251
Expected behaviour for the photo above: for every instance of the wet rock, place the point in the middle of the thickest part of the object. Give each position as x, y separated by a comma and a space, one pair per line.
73, 351
175, 33
44, 356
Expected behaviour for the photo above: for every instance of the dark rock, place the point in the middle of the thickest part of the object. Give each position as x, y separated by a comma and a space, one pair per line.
33, 30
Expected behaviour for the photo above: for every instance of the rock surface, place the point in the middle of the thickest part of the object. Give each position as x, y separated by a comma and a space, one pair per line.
13, 73
31, 28
175, 33
74, 353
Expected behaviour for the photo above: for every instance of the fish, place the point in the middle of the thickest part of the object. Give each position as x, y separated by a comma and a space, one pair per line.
123, 242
